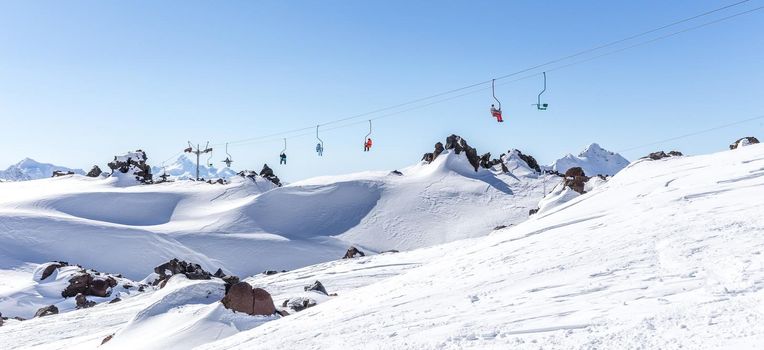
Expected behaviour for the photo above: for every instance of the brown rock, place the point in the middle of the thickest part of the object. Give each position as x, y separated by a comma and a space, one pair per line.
105, 340
748, 139
352, 252
101, 287
240, 298
263, 303
50, 268
78, 284
83, 302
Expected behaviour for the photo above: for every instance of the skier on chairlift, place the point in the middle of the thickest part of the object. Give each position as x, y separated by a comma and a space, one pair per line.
367, 145
283, 158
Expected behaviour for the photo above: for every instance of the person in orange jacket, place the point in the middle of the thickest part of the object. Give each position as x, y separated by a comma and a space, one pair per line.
367, 145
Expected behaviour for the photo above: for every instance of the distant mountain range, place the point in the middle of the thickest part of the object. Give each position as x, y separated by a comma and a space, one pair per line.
29, 169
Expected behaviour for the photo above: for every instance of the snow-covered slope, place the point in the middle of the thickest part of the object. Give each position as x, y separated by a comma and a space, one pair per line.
135, 228
594, 160
184, 168
29, 169
667, 254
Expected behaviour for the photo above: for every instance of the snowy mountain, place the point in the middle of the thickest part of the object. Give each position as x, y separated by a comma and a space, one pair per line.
602, 270
594, 160
29, 169
184, 168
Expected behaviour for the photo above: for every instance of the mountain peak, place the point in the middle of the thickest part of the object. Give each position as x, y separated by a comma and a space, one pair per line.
594, 160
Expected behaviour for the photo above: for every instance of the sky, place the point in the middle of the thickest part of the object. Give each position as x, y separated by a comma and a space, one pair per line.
83, 81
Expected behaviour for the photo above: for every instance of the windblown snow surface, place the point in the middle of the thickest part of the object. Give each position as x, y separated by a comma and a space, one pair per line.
667, 254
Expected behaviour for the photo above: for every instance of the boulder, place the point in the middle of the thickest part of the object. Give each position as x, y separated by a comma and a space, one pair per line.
660, 155
352, 252
51, 268
745, 141
252, 301
108, 337
533, 211
115, 300
317, 286
46, 311
576, 179
83, 302
94, 172
459, 145
239, 298
133, 164
396, 173
675, 153
101, 287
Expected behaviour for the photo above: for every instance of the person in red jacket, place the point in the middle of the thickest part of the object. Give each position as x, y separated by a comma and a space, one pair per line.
367, 145
496, 113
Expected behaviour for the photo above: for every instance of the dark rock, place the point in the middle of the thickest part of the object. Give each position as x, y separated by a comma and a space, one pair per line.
269, 272
58, 173
748, 139
133, 163
576, 179
499, 227
115, 300
94, 172
267, 173
142, 288
438, 150
229, 280
352, 252
219, 273
533, 211
52, 267
396, 172
80, 283
83, 302
101, 287
532, 163
108, 337
675, 154
46, 311
428, 157
1, 319
173, 267
389, 251
660, 155
459, 144
316, 287
298, 304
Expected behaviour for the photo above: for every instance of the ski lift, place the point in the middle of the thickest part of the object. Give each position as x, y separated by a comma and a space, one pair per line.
367, 140
282, 155
542, 106
320, 144
228, 159
495, 112
209, 159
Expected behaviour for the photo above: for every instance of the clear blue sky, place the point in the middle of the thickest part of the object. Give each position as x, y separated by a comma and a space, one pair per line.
82, 81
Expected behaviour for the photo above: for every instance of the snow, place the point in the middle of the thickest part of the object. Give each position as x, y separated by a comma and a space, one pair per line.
594, 160
665, 254
29, 169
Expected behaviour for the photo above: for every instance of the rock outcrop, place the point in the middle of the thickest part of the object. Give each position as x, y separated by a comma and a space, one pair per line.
229, 280
132, 164
88, 284
745, 141
268, 174
58, 173
353, 252
241, 297
52, 268
94, 172
576, 179
317, 286
83, 302
660, 155
458, 145
173, 267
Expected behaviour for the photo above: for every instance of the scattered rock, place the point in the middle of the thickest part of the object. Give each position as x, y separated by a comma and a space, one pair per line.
270, 272
533, 211
83, 302
745, 141
352, 252
58, 173
94, 172
660, 155
396, 173
499, 227
298, 304
389, 251
46, 311
316, 287
115, 300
